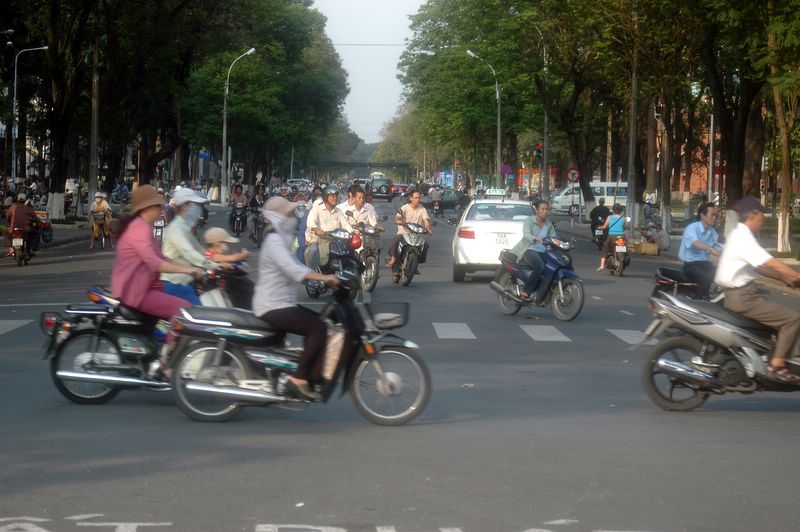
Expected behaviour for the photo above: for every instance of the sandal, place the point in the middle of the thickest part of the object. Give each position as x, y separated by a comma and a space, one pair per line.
782, 373
301, 390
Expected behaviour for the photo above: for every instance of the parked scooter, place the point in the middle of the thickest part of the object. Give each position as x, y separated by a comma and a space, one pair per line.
342, 257
226, 359
97, 350
715, 352
238, 219
560, 287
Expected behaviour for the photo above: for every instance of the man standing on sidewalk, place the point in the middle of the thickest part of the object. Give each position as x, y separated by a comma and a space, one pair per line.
736, 274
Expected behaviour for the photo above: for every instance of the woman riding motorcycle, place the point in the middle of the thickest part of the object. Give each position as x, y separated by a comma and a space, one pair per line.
275, 298
97, 208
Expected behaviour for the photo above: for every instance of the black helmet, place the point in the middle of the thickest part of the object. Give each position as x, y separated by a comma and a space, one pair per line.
331, 189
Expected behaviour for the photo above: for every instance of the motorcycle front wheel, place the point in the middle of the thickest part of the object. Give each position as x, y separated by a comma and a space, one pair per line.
370, 276
75, 354
508, 306
198, 364
409, 268
392, 388
666, 391
568, 307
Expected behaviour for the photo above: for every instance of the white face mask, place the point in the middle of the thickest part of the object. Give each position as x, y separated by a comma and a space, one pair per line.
193, 214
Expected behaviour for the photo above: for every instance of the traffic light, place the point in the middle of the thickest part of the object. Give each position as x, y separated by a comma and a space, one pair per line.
538, 150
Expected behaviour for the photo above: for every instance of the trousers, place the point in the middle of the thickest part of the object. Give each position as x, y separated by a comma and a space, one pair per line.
303, 322
702, 273
535, 261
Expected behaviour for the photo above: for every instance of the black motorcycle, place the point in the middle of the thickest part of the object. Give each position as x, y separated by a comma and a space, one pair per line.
23, 244
238, 219
559, 286
437, 208
342, 257
674, 281
410, 251
98, 350
226, 359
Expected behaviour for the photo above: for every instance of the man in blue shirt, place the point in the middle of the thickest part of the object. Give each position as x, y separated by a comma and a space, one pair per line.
701, 241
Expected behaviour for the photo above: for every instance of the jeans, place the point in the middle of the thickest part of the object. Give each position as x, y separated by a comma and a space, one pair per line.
702, 273
183, 291
535, 261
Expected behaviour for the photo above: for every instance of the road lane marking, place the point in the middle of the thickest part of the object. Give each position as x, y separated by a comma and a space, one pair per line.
10, 325
632, 337
544, 333
81, 517
597, 298
453, 331
627, 313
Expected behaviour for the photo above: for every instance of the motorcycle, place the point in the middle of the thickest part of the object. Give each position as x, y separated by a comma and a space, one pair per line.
715, 352
437, 208
238, 219
369, 253
99, 219
599, 235
618, 259
560, 287
22, 244
342, 257
409, 252
158, 228
226, 359
226, 288
258, 230
97, 350
673, 281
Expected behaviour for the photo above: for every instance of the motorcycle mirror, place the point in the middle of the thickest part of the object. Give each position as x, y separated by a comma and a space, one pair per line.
383, 218
349, 213
452, 221
628, 219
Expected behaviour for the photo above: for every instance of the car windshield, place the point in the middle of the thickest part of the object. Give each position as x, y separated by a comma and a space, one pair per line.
499, 211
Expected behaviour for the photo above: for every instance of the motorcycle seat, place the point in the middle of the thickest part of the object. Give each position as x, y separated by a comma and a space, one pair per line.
507, 256
136, 315
673, 274
717, 311
236, 317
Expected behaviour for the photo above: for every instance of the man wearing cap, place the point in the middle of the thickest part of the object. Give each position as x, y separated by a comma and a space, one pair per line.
20, 215
100, 210
701, 242
182, 247
275, 298
737, 271
322, 218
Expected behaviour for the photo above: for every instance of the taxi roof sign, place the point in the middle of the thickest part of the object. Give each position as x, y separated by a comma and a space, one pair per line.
495, 192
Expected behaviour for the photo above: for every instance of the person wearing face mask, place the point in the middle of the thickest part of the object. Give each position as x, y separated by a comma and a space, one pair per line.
275, 297
182, 247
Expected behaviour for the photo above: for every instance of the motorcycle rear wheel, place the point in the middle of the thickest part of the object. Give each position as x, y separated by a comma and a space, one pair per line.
370, 276
392, 388
18, 255
508, 306
567, 309
409, 268
72, 355
197, 365
653, 378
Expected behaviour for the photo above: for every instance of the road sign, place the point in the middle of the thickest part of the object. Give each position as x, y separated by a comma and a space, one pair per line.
573, 176
506, 169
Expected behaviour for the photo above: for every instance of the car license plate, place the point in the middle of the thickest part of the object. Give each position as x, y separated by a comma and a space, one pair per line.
16, 242
501, 239
621, 249
598, 232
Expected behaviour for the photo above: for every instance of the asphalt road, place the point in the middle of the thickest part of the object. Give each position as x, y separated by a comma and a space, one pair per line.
534, 424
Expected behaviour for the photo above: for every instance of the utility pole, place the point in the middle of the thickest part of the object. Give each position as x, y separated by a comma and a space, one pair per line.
632, 130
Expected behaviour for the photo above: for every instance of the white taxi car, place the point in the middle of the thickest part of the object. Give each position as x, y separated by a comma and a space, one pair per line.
487, 227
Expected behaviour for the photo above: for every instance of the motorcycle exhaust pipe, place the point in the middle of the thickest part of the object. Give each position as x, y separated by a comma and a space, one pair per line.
503, 292
231, 392
685, 373
112, 380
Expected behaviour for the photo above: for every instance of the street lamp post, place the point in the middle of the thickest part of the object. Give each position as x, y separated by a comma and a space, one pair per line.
497, 97
14, 113
544, 189
225, 176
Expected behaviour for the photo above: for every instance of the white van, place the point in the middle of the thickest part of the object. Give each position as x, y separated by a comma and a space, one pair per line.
570, 197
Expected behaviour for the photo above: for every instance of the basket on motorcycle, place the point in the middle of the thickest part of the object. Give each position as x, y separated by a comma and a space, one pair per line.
388, 315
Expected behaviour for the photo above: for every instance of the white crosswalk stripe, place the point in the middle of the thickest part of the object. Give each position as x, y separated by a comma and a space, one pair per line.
10, 325
630, 336
544, 333
457, 331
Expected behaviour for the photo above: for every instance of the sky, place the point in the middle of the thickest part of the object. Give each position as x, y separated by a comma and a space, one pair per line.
375, 91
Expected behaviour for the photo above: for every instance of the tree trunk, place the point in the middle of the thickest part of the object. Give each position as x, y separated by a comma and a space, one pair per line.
651, 155
754, 149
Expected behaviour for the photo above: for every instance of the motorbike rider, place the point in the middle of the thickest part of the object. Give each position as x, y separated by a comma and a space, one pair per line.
411, 212
699, 243
322, 218
737, 270
180, 245
360, 211
238, 196
22, 215
613, 226
100, 206
530, 249
275, 297
135, 277
598, 215
255, 205
120, 192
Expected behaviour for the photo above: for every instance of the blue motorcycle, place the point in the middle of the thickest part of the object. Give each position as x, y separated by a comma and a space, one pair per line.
560, 287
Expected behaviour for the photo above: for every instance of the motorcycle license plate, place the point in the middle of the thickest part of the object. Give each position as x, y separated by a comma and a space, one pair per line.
16, 242
621, 249
598, 232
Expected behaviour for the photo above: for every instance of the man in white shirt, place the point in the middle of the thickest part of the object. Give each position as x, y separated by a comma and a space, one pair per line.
322, 218
739, 265
351, 198
360, 210
411, 212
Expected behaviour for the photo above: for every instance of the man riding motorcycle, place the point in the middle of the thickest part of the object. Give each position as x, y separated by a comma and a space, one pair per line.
360, 210
598, 216
238, 196
255, 206
700, 242
322, 218
411, 212
22, 215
